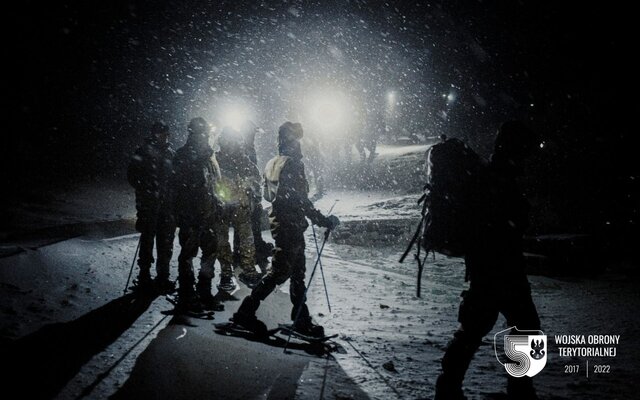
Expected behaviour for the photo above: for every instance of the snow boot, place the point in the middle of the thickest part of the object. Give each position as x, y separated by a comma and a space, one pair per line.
250, 322
143, 282
164, 285
207, 300
306, 327
250, 278
210, 303
246, 316
447, 391
226, 284
189, 305
188, 301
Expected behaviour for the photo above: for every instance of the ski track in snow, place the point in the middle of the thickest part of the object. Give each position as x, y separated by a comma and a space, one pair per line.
375, 307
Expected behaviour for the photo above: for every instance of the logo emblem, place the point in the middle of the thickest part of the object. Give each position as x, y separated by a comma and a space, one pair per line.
522, 353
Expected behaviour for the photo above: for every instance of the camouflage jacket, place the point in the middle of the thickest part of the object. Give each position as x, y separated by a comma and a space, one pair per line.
240, 180
196, 173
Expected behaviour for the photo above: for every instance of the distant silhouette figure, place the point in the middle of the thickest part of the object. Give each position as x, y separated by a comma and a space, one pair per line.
368, 139
149, 173
495, 265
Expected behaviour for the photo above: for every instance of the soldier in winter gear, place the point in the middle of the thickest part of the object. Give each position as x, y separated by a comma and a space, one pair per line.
238, 186
149, 172
287, 188
263, 249
196, 206
495, 265
368, 139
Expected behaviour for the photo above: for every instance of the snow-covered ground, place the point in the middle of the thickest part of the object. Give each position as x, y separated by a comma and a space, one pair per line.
87, 202
394, 340
376, 310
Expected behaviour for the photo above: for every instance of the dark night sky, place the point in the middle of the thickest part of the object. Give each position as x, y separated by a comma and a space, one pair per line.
85, 79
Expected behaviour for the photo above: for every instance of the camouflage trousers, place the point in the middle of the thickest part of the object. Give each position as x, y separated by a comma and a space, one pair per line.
238, 218
262, 248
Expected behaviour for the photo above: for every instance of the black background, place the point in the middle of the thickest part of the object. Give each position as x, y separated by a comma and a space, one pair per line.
78, 97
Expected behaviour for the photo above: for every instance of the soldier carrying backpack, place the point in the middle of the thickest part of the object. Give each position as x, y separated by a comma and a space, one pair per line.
287, 188
476, 210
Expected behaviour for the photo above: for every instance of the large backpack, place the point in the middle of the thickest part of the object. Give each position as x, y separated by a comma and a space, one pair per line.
453, 181
272, 177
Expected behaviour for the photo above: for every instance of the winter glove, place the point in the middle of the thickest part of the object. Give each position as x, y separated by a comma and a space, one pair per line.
332, 222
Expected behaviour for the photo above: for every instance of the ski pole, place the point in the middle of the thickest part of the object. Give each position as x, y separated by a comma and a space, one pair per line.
416, 235
326, 292
315, 239
413, 240
420, 269
304, 295
331, 209
135, 255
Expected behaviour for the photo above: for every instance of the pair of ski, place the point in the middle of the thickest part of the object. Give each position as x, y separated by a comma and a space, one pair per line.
233, 329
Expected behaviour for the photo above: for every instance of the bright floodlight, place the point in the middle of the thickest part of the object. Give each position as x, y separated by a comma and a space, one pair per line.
391, 98
328, 110
451, 97
235, 116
